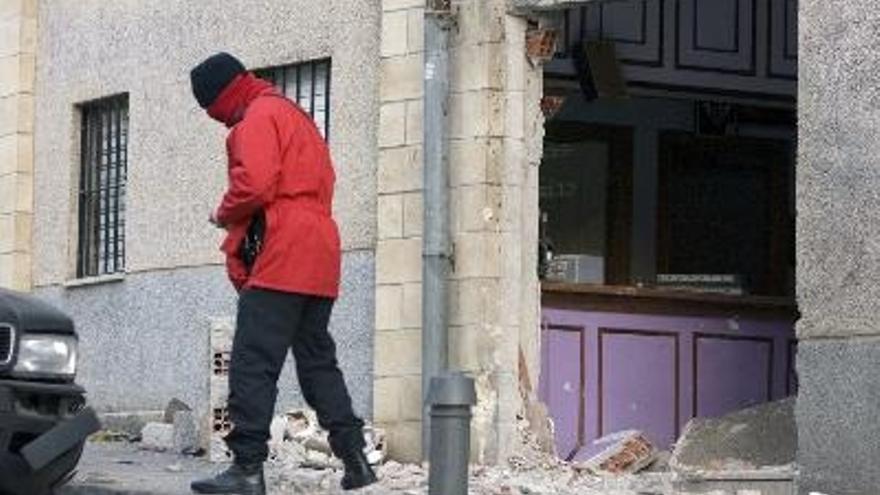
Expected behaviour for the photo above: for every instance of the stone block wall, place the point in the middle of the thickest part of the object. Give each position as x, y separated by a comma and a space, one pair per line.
18, 43
494, 121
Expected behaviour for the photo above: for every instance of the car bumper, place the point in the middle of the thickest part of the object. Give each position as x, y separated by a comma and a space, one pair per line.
42, 428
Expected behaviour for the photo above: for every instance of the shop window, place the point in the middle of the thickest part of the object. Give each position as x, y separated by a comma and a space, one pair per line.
714, 203
586, 202
723, 214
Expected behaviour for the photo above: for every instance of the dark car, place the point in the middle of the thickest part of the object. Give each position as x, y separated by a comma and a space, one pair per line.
43, 418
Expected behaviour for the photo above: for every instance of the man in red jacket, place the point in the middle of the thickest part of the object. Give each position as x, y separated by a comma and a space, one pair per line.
283, 256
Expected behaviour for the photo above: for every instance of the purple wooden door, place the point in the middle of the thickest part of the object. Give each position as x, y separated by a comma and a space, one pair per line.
732, 373
606, 372
562, 364
639, 383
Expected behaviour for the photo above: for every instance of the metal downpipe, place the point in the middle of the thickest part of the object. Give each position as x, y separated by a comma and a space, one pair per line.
436, 247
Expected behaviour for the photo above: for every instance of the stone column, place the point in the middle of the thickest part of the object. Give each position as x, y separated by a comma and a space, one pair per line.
494, 120
838, 247
18, 43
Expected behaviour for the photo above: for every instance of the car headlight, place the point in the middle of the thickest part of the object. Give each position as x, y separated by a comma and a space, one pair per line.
46, 355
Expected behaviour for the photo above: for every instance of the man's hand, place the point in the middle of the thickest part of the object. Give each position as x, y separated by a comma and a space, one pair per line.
214, 221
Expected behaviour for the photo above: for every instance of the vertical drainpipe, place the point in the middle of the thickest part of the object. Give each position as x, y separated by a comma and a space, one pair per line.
437, 245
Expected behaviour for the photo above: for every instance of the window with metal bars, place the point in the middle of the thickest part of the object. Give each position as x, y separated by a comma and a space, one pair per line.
306, 83
103, 171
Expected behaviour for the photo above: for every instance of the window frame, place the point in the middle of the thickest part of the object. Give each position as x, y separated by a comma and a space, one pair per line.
102, 185
278, 73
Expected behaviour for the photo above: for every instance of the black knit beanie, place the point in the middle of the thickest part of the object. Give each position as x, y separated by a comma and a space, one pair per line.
210, 77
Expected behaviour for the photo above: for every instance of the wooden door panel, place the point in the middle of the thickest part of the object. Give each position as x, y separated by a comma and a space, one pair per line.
635, 26
783, 38
716, 35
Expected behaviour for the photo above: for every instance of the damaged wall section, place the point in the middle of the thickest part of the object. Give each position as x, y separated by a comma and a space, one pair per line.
495, 142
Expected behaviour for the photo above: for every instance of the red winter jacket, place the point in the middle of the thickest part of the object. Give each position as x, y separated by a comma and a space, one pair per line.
278, 162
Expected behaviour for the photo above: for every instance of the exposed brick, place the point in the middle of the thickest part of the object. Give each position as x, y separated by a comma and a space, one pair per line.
395, 32
390, 216
398, 353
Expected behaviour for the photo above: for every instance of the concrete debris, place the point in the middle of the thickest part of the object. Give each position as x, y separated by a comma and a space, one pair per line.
626, 452
130, 423
661, 462
297, 440
174, 406
158, 437
759, 441
186, 433
218, 450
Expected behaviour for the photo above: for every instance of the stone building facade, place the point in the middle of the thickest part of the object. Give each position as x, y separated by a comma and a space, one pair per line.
154, 317
145, 330
18, 45
837, 248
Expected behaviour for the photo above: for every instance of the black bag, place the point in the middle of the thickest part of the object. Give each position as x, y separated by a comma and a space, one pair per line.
252, 243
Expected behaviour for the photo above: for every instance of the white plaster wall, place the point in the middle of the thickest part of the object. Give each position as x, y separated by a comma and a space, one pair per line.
93, 48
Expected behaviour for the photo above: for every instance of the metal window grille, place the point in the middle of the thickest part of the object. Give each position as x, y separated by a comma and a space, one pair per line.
103, 171
308, 84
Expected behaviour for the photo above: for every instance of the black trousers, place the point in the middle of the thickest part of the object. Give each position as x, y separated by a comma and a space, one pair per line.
268, 324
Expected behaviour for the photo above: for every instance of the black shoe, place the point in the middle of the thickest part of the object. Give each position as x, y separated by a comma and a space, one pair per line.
358, 472
238, 479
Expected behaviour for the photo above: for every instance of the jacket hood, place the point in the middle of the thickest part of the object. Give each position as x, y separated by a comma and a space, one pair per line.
230, 106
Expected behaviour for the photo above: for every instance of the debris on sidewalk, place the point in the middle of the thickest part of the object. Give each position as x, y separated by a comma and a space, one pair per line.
158, 437
174, 406
178, 433
756, 441
297, 440
625, 452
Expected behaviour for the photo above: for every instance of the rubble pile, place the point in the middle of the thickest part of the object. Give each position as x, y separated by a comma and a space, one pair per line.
761, 440
301, 464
